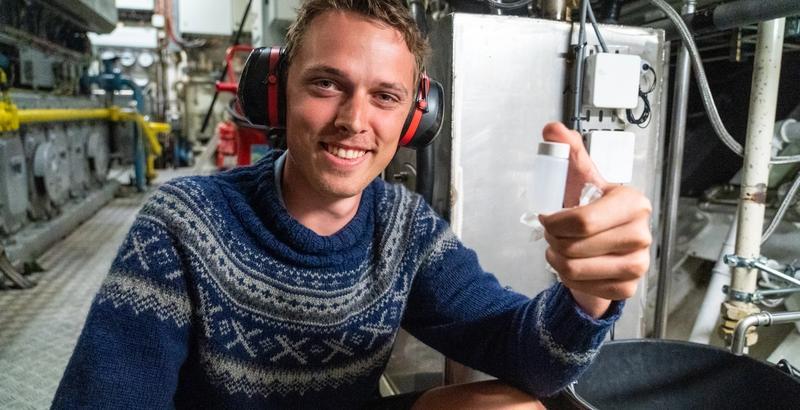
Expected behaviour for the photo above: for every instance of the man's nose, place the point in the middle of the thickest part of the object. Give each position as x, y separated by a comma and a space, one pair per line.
352, 114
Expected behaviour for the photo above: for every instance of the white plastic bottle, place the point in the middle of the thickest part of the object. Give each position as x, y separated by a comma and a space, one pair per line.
549, 177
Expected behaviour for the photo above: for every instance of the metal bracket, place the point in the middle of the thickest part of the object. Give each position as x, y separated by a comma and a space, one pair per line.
740, 296
759, 263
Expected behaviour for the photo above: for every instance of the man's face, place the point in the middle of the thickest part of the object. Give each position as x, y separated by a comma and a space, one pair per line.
349, 90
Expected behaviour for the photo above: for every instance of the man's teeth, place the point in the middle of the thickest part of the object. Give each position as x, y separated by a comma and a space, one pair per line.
345, 153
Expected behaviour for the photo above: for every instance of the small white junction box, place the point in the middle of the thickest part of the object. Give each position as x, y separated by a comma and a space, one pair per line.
612, 154
612, 80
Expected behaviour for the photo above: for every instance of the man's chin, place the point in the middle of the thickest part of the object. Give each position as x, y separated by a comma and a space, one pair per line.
343, 190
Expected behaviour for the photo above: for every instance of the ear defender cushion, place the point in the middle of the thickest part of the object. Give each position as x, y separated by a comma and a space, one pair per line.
425, 119
261, 89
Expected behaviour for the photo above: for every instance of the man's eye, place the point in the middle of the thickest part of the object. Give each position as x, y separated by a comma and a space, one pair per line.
325, 84
387, 98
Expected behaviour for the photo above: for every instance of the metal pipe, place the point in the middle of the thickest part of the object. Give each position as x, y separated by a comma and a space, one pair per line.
554, 9
765, 268
426, 156
673, 190
758, 319
760, 127
778, 292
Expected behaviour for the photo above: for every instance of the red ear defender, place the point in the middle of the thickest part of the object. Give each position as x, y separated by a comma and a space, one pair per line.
425, 118
261, 89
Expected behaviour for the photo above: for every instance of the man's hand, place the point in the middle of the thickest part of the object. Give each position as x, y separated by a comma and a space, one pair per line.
600, 250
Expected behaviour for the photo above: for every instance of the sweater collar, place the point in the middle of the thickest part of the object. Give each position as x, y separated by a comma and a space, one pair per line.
274, 215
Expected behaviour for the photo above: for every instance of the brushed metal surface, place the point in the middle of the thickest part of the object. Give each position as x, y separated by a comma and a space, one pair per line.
509, 78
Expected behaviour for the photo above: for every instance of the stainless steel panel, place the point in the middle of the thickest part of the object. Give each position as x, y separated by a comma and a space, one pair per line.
510, 75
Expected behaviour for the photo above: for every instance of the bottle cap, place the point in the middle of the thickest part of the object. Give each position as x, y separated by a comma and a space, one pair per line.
554, 149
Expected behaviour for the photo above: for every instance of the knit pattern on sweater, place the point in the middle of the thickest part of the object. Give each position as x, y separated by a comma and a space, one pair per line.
218, 297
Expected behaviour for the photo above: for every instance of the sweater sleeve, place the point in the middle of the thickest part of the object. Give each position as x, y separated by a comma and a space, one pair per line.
538, 345
135, 338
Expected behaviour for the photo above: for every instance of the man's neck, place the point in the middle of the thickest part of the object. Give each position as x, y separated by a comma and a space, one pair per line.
322, 214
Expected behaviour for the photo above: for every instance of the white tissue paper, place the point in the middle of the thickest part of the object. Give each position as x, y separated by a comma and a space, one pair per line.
589, 194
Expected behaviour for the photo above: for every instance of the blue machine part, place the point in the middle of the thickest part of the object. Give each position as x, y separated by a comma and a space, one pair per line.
111, 79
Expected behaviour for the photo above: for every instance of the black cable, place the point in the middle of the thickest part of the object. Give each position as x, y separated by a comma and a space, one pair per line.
644, 118
225, 69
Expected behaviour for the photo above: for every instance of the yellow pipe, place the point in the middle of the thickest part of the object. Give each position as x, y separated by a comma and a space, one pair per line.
54, 115
11, 118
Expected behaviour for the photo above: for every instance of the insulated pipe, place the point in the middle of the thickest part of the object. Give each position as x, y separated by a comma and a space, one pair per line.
758, 147
707, 317
725, 16
672, 193
758, 319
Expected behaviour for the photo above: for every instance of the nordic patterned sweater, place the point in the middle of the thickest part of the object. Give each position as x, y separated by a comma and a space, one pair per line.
218, 298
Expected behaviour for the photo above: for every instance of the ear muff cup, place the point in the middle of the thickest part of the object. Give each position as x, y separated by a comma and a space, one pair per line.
425, 119
261, 87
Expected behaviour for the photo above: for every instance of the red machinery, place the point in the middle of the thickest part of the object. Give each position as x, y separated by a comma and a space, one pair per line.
239, 144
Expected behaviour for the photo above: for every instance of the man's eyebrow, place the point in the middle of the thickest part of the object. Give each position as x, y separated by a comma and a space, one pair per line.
396, 87
321, 68
325, 69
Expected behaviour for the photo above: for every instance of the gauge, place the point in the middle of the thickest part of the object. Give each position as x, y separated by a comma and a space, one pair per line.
146, 59
127, 59
141, 79
107, 55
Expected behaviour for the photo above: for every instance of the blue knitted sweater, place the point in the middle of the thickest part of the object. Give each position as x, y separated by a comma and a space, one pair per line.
218, 298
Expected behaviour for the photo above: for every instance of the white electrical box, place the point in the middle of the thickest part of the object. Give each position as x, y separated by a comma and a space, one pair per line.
612, 80
212, 17
612, 154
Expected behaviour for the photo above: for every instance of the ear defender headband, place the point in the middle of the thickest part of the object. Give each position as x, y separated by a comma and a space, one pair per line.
263, 101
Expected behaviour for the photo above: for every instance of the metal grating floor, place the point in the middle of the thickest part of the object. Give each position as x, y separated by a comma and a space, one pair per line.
39, 327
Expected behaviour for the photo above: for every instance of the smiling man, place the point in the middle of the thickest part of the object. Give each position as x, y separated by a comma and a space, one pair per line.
283, 284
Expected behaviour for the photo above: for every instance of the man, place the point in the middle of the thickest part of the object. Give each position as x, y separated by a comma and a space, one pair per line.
282, 285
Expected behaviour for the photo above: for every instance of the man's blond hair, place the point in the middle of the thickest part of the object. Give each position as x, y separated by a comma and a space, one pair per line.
392, 13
